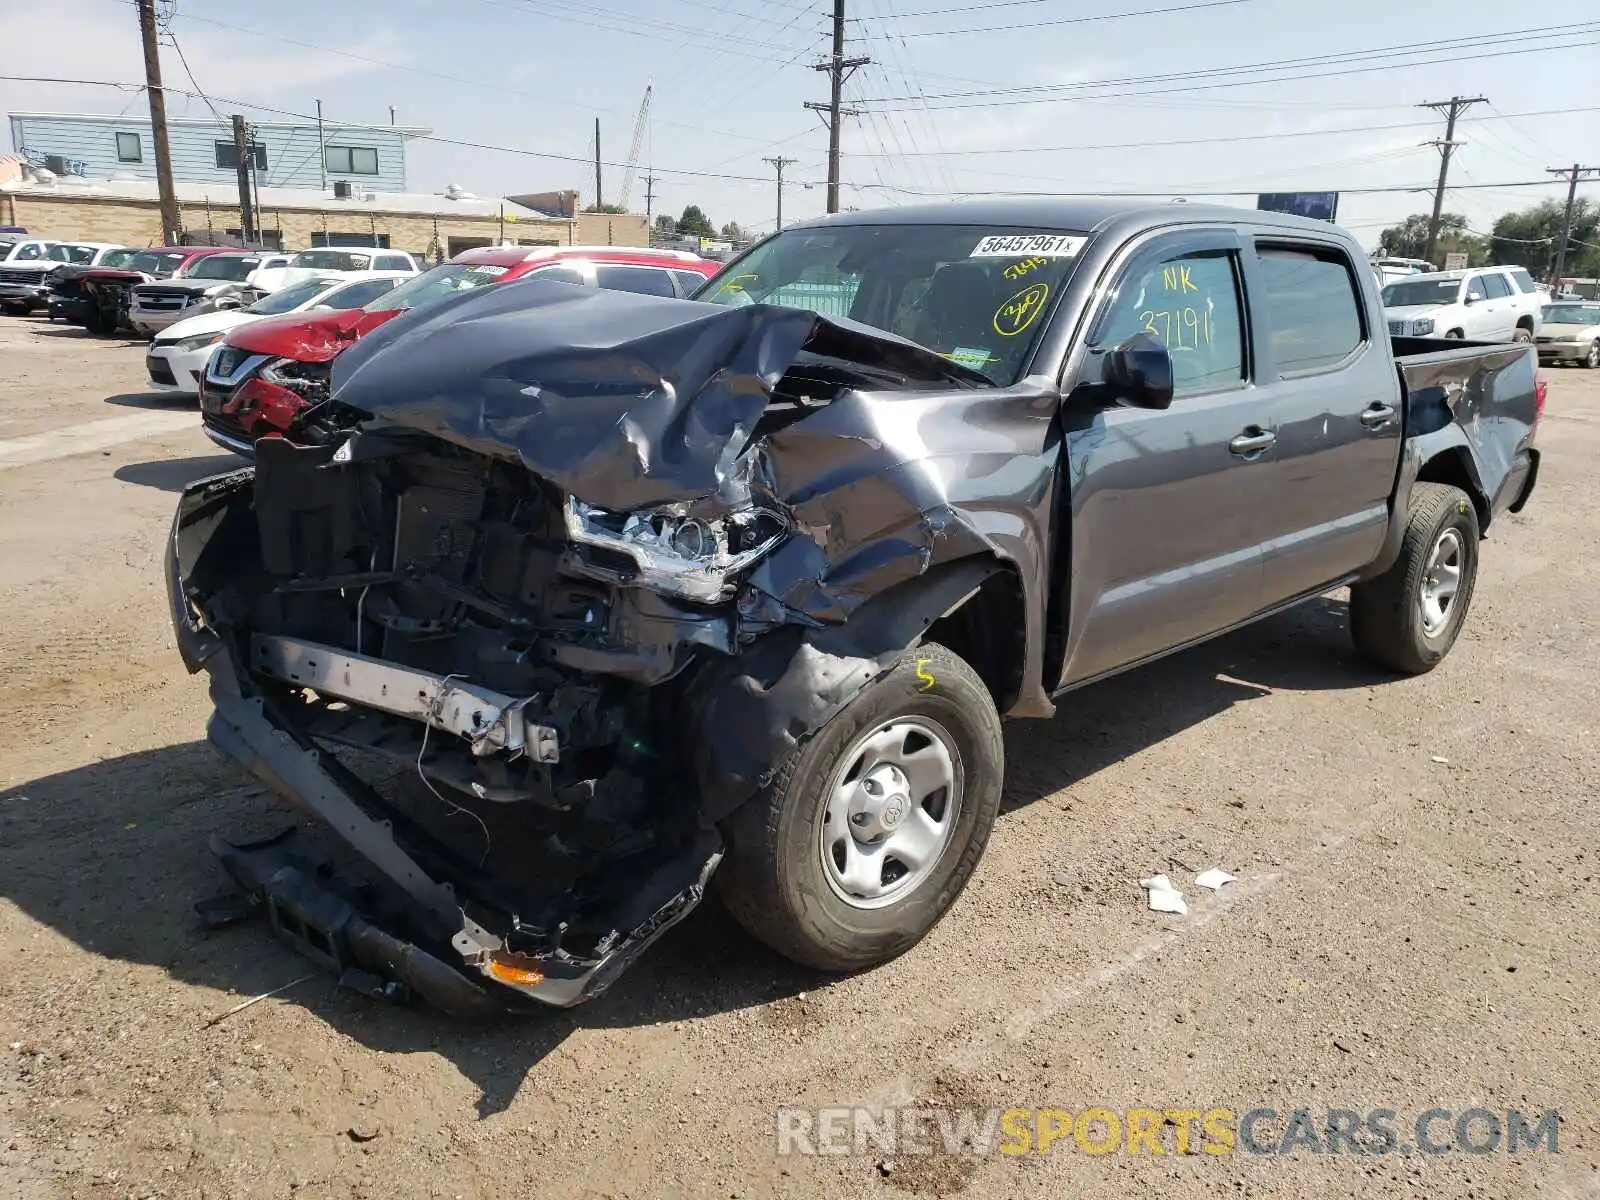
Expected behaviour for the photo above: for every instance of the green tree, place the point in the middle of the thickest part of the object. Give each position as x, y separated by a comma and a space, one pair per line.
1409, 239
605, 208
666, 226
733, 232
695, 223
1528, 239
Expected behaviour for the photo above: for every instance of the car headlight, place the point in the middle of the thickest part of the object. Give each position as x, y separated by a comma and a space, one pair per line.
1422, 327
198, 341
692, 557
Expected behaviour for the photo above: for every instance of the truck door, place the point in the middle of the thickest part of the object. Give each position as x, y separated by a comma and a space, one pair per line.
1159, 536
1330, 395
1501, 306
1480, 320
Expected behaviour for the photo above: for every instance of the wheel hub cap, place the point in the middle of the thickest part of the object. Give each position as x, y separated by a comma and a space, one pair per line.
890, 811
1441, 580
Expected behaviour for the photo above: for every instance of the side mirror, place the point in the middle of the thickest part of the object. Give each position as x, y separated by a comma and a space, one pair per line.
1473, 297
1138, 373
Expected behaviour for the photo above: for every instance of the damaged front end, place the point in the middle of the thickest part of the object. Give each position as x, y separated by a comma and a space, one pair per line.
556, 580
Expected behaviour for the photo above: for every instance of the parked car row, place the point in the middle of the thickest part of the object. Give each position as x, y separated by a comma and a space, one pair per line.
267, 375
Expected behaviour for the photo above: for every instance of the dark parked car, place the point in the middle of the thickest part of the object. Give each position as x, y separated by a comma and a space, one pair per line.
646, 595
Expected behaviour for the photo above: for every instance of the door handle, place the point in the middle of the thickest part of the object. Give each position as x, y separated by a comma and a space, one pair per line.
1253, 440
1377, 416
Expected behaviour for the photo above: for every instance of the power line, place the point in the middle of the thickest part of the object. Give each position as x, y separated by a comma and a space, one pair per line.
1055, 21
1447, 47
1226, 138
1578, 171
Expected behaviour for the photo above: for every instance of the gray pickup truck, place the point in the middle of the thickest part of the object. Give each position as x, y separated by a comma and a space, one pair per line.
567, 605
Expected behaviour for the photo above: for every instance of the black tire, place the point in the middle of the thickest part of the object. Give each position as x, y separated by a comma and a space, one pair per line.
1522, 334
95, 322
17, 310
1592, 360
773, 880
1386, 613
1456, 333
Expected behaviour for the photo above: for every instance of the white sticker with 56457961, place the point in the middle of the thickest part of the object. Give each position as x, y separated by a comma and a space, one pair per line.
1047, 245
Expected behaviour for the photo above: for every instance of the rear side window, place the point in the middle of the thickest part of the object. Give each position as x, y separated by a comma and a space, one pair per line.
1495, 286
648, 280
1524, 281
1309, 303
358, 294
560, 275
393, 262
689, 281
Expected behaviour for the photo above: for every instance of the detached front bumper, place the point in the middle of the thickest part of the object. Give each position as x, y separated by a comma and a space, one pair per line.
435, 950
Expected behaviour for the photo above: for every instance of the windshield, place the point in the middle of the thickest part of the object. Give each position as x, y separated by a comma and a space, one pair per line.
289, 299
5, 250
118, 258
149, 263
1571, 314
332, 260
433, 286
69, 254
224, 266
974, 294
1421, 291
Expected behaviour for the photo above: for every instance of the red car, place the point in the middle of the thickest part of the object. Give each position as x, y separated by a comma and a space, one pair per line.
265, 374
106, 292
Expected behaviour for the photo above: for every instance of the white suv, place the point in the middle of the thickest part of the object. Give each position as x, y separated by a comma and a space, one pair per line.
1488, 304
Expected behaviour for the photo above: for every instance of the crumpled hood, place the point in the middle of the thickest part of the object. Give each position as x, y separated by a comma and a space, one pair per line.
307, 339
626, 401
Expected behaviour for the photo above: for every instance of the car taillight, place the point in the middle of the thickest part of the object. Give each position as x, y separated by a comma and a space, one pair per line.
1539, 389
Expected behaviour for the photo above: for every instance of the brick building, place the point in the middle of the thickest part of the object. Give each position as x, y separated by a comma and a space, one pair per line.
432, 224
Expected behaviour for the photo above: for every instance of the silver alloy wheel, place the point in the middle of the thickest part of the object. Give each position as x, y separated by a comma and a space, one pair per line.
890, 811
1441, 580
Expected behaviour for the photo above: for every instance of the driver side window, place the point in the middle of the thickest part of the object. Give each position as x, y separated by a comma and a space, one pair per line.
1190, 304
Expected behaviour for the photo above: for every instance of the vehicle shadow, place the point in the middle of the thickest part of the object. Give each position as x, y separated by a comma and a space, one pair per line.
175, 474
155, 400
112, 855
43, 328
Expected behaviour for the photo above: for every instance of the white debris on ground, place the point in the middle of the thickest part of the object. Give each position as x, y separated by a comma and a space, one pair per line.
1164, 897
1214, 878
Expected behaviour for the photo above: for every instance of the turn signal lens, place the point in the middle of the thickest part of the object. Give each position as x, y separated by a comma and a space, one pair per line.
508, 969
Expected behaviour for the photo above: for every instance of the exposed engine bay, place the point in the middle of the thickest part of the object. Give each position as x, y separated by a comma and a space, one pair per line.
586, 591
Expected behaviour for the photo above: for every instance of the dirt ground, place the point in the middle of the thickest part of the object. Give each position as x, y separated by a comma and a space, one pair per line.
1416, 921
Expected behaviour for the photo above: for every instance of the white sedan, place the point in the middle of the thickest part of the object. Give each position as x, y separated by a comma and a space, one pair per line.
1571, 333
177, 356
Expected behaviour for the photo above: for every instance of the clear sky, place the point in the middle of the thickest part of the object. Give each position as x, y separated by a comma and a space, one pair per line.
944, 105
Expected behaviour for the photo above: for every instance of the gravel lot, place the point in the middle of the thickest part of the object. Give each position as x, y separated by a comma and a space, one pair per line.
1415, 924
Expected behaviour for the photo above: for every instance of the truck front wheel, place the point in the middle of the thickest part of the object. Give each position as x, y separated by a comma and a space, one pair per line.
868, 832
1408, 618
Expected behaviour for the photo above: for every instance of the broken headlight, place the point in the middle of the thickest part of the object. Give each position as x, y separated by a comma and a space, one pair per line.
688, 556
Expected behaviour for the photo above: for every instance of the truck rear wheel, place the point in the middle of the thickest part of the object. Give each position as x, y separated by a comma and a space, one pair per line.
1408, 618
868, 832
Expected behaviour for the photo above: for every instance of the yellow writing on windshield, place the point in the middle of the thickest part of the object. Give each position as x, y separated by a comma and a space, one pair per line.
1018, 270
1179, 328
1021, 310
1175, 278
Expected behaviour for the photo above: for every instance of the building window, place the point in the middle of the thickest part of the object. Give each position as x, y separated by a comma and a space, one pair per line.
228, 158
352, 160
128, 148
270, 239
355, 241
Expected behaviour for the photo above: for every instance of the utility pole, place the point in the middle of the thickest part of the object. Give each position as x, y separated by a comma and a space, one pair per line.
839, 68
242, 152
598, 201
649, 199
1577, 171
780, 162
171, 218
1452, 108
322, 148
